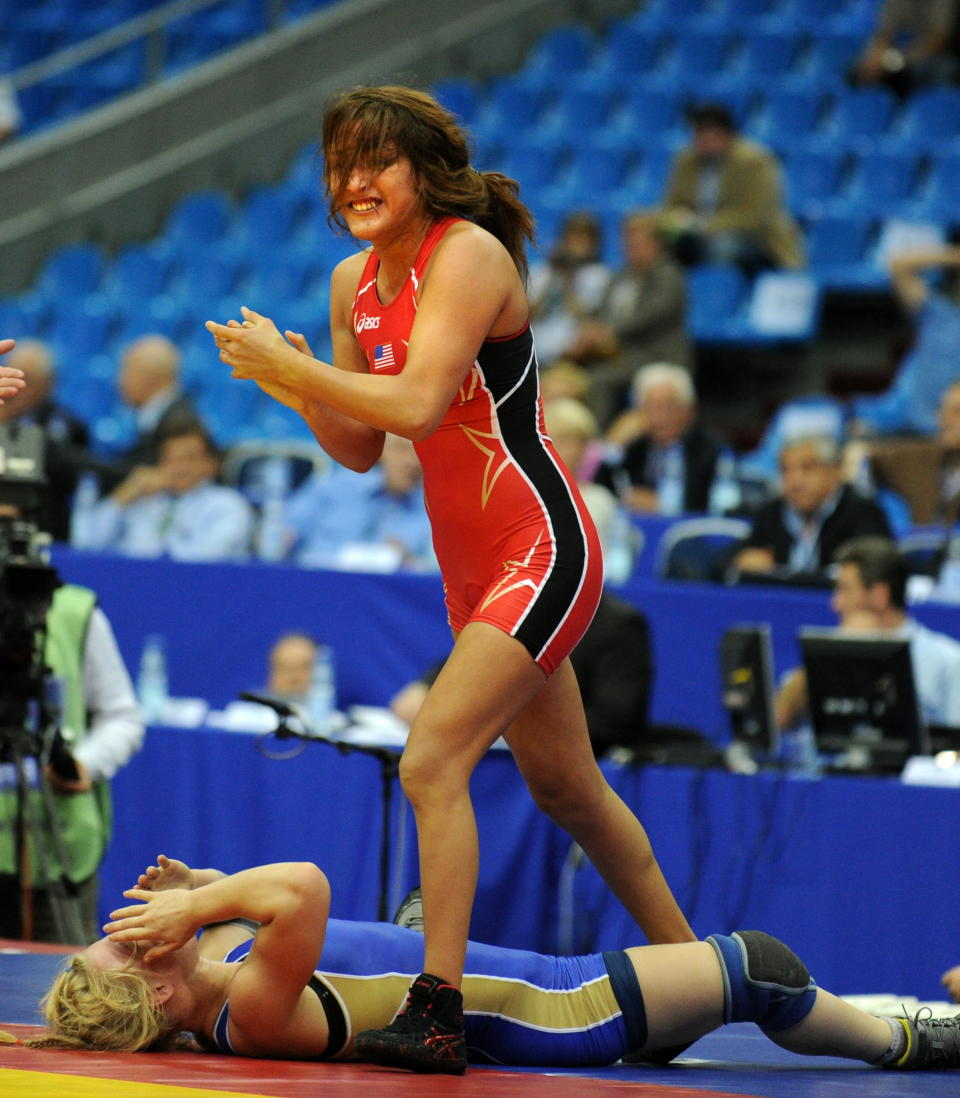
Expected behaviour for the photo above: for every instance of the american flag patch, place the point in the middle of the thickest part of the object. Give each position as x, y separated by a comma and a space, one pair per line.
383, 356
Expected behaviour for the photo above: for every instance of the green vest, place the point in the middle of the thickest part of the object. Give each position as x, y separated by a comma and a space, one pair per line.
85, 818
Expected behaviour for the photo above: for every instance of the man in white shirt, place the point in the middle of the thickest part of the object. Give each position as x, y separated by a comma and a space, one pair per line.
175, 508
870, 596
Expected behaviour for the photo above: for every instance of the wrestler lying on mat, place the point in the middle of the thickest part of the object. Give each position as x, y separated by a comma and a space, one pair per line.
250, 985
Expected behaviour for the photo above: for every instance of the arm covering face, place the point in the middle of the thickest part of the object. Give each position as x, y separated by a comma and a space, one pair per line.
764, 981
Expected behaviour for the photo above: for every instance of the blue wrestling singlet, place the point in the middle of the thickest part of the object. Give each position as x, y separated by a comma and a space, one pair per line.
520, 1007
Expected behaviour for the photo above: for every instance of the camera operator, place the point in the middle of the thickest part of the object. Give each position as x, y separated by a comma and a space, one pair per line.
100, 727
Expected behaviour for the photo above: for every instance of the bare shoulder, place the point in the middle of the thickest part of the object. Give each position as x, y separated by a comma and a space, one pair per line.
347, 272
465, 241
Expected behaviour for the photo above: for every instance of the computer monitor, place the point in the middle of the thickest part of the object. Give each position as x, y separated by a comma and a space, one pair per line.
863, 700
746, 665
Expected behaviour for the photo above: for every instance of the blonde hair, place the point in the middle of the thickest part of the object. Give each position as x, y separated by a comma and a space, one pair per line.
566, 414
103, 1010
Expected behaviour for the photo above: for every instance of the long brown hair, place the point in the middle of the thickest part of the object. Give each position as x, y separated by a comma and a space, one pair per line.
371, 126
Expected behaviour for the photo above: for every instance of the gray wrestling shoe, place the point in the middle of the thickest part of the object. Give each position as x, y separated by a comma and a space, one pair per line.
931, 1042
410, 911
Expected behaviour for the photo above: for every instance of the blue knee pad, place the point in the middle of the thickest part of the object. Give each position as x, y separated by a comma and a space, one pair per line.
764, 981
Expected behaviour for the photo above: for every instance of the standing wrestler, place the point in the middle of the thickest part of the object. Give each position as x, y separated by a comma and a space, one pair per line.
432, 341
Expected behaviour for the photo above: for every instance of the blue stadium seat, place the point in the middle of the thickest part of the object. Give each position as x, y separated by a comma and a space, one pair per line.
931, 118
208, 275
643, 111
861, 116
270, 213
534, 165
460, 95
629, 50
199, 219
694, 55
509, 108
195, 37
28, 44
581, 106
839, 251
698, 549
647, 184
597, 167
848, 16
743, 15
560, 52
717, 298
938, 201
830, 54
72, 270
767, 57
813, 177
670, 13
786, 117
84, 329
105, 78
140, 270
882, 181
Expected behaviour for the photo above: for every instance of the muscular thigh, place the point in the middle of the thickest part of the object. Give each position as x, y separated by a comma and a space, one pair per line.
487, 680
549, 737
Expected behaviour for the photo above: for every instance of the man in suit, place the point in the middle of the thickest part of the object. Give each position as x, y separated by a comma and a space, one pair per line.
724, 199
800, 530
149, 383
666, 405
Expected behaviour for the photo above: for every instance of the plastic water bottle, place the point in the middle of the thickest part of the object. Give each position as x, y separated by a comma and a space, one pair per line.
321, 701
152, 690
272, 536
81, 516
619, 548
725, 489
670, 490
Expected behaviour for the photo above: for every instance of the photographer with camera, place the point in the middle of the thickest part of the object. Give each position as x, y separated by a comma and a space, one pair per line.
68, 720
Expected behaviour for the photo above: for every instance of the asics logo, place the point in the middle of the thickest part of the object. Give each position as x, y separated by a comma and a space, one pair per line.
365, 323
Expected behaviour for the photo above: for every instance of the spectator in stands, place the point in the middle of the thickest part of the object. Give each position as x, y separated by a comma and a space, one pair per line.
11, 117
373, 521
869, 595
576, 436
670, 435
564, 379
614, 666
149, 383
724, 201
912, 45
910, 404
175, 508
924, 473
800, 531
66, 437
640, 319
568, 287
291, 666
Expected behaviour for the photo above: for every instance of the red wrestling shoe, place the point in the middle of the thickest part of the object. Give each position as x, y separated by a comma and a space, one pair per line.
427, 1034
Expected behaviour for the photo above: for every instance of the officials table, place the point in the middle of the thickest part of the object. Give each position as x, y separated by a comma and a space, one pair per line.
858, 874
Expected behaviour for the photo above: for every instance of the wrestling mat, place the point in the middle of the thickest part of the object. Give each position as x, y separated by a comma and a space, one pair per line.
736, 1061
